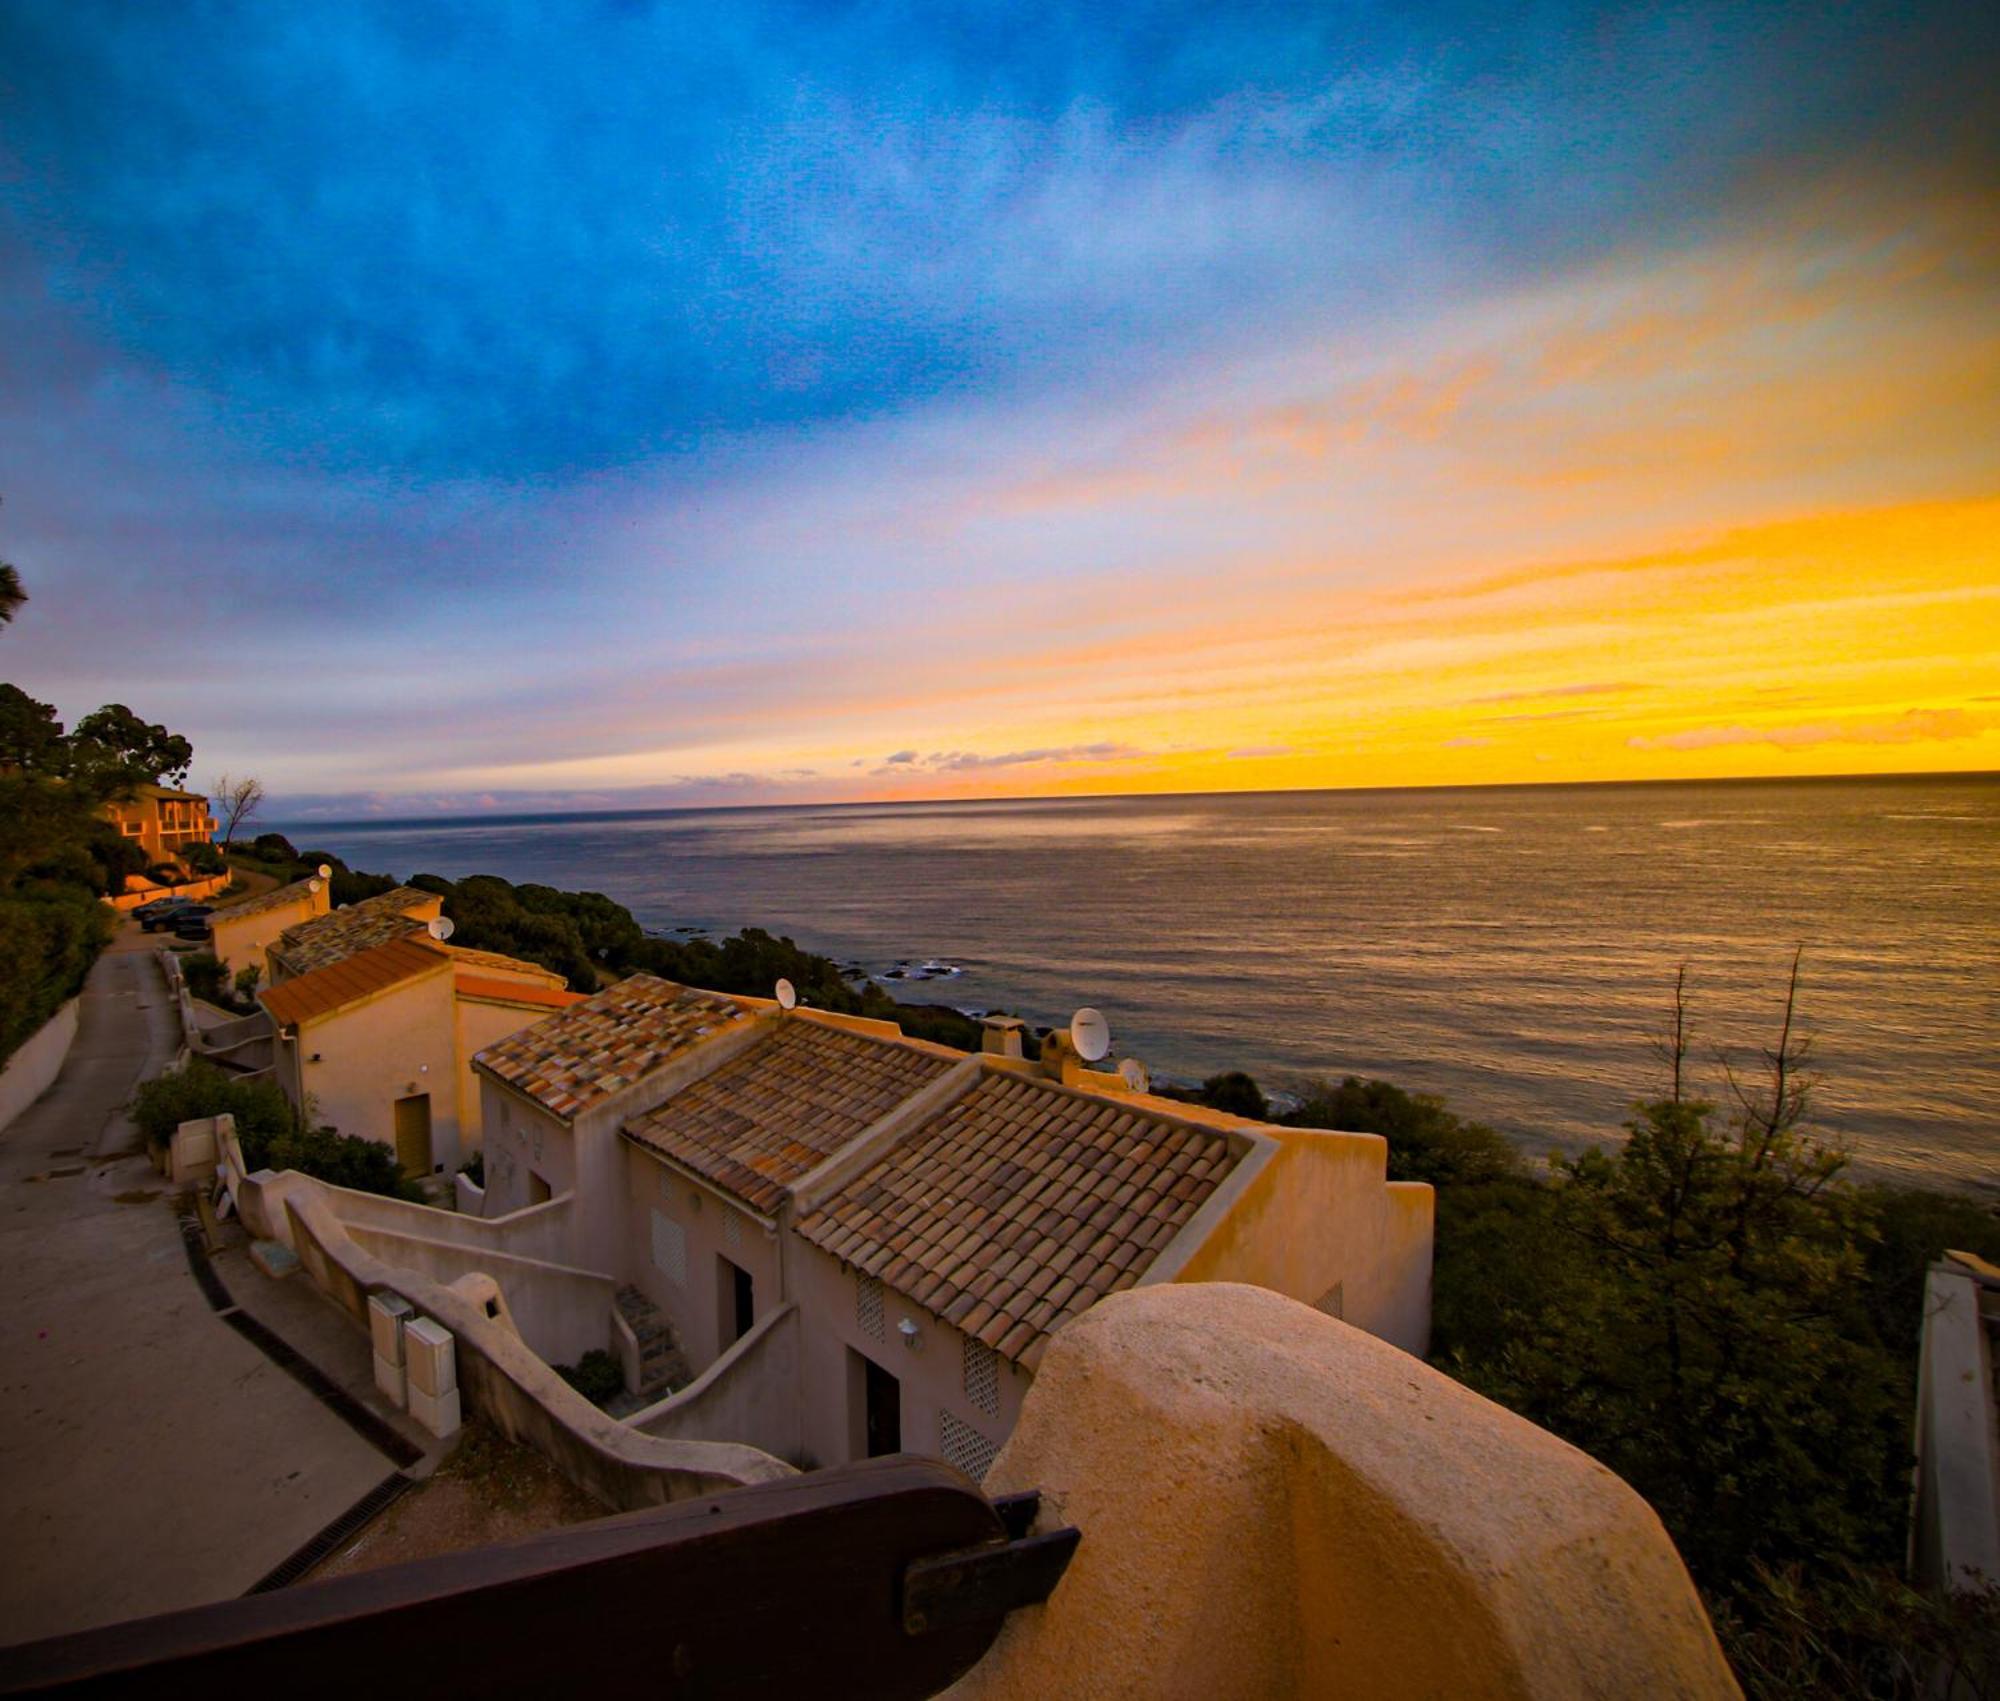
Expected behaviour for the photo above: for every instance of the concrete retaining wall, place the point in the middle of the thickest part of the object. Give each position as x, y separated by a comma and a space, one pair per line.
541, 1232
146, 891
562, 1313
499, 1377
750, 1394
32, 1070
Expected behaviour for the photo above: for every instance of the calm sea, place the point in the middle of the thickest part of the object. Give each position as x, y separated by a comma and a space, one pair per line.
1510, 949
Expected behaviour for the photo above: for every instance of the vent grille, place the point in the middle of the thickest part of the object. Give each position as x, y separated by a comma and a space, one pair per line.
1334, 1301
964, 1446
982, 1377
732, 1227
670, 1250
868, 1308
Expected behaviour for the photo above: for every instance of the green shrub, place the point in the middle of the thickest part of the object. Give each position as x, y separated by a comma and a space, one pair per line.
597, 1376
48, 941
246, 983
182, 1095
1426, 1141
342, 1160
206, 976
267, 1129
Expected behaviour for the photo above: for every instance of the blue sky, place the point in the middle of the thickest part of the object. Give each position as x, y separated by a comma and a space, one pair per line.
600, 403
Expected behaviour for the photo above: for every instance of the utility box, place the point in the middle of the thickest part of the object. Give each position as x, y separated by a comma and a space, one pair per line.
388, 1314
430, 1358
438, 1413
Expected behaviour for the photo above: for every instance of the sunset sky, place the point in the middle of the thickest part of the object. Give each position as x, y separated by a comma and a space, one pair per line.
498, 408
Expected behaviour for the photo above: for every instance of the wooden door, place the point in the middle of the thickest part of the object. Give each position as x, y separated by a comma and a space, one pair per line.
413, 1134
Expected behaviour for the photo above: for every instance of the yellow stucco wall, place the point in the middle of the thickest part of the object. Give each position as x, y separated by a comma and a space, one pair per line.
241, 940
371, 1054
1321, 1215
478, 1023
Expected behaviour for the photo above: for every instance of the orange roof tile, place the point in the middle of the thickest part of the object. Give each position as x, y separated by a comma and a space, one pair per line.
320, 992
467, 957
571, 1061
780, 1109
516, 992
1021, 1205
298, 892
326, 939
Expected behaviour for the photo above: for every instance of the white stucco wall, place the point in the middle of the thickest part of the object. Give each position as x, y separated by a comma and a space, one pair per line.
698, 1219
32, 1070
378, 1051
931, 1376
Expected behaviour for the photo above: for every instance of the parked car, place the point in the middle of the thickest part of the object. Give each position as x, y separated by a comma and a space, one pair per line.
161, 912
192, 922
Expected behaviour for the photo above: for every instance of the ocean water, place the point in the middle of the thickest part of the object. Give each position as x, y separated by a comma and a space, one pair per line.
1512, 949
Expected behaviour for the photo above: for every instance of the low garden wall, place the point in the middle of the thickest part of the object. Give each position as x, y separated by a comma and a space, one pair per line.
146, 891
500, 1377
750, 1394
32, 1070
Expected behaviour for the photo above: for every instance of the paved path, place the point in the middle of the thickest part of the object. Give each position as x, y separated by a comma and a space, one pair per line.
150, 1456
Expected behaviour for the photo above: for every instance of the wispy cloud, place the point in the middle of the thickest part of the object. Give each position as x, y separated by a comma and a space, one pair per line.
1913, 726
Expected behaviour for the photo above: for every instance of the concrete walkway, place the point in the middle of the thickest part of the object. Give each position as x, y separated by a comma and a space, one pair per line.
150, 1456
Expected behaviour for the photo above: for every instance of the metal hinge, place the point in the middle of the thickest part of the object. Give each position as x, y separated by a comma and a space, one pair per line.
978, 1584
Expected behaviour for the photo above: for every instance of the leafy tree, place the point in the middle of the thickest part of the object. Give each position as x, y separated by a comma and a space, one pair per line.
12, 593
113, 752
236, 800
1236, 1093
1427, 1142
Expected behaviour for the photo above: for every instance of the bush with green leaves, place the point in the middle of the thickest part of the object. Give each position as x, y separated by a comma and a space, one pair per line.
49, 937
203, 858
206, 975
597, 1376
268, 1130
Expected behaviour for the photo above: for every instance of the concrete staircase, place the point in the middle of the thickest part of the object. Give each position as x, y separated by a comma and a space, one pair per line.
663, 1367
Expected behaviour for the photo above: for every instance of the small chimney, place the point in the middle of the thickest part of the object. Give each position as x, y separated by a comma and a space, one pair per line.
1000, 1036
1059, 1058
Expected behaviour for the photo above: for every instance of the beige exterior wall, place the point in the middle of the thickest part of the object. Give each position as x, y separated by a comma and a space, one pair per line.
375, 1052
478, 1023
678, 1231
243, 940
1320, 1223
524, 1143
931, 1377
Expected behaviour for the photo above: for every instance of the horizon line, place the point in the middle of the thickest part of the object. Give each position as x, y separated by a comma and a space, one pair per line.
519, 817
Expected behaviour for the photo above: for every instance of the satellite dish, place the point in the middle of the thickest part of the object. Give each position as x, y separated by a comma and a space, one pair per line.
1090, 1033
326, 871
441, 929
788, 995
312, 885
1133, 1073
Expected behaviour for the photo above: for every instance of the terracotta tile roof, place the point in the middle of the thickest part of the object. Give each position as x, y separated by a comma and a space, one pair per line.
349, 980
1020, 1206
579, 1058
374, 921
298, 892
493, 961
783, 1107
516, 992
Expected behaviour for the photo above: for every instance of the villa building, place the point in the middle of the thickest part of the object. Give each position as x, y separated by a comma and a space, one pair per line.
161, 821
931, 1218
243, 933
377, 1021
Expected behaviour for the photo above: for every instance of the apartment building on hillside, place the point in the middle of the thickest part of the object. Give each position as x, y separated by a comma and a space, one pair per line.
931, 1218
